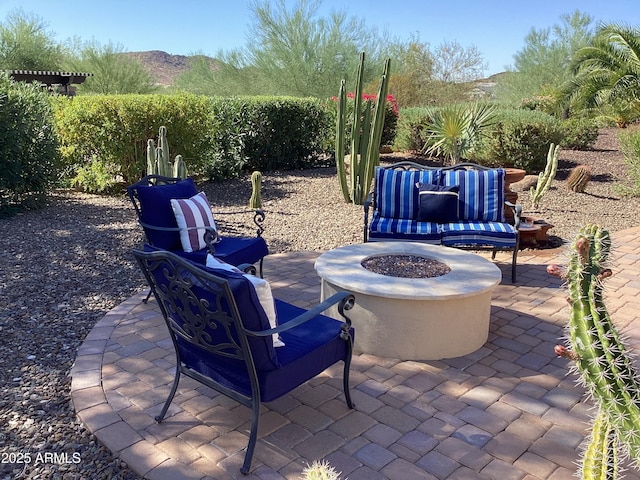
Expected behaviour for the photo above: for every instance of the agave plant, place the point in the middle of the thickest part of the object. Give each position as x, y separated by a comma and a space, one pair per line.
455, 129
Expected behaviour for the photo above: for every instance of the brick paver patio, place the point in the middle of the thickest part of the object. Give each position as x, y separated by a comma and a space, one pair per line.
507, 411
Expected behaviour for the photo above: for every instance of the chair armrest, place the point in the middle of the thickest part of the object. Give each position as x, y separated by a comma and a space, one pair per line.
517, 212
258, 218
345, 301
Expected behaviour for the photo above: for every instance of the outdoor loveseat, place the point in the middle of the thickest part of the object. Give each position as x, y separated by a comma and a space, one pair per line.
461, 206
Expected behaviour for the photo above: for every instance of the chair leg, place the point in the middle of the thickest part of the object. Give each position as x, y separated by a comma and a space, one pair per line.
147, 297
172, 393
515, 261
345, 374
253, 437
261, 262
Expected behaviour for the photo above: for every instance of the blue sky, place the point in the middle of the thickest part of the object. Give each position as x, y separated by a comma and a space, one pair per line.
496, 27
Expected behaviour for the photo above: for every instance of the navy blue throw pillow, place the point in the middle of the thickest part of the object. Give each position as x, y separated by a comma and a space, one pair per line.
438, 203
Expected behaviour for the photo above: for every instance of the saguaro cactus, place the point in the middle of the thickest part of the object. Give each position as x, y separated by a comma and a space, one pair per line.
601, 360
545, 178
366, 135
256, 182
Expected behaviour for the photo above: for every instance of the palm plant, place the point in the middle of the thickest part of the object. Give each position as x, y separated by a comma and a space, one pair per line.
455, 129
608, 70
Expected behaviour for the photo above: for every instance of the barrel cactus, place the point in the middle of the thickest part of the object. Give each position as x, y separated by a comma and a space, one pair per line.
256, 182
600, 357
578, 178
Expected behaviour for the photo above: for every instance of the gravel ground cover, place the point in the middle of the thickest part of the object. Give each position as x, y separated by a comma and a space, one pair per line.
62, 268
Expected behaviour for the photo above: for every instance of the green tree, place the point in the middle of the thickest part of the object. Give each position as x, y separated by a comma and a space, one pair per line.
113, 72
542, 67
290, 51
608, 71
26, 44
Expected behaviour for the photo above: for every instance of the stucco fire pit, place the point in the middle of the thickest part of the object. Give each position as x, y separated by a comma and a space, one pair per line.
413, 318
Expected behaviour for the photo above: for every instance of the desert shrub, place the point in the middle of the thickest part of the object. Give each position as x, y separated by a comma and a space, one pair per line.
266, 134
520, 139
113, 130
579, 133
630, 146
95, 176
28, 149
412, 129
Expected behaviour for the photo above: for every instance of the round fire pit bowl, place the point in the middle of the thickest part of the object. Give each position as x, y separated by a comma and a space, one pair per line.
427, 318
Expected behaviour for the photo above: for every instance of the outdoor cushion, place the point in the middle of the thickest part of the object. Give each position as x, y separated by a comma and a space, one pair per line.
155, 209
396, 192
192, 214
495, 234
263, 290
481, 194
403, 229
237, 250
438, 203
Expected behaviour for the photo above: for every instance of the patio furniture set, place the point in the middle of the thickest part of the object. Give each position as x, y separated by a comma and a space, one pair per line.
231, 335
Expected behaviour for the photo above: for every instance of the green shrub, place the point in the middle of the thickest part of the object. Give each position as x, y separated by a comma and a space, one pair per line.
520, 139
630, 146
96, 176
114, 129
29, 163
579, 133
412, 129
266, 134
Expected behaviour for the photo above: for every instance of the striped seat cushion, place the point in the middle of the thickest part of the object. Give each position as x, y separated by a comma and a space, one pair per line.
397, 193
481, 194
494, 234
384, 228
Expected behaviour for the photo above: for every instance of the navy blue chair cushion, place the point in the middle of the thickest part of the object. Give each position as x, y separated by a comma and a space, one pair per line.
155, 209
438, 203
237, 250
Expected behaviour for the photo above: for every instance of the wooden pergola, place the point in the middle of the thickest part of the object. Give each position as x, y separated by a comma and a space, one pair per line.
59, 82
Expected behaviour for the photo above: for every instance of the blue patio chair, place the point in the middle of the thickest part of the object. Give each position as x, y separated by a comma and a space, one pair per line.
151, 198
223, 339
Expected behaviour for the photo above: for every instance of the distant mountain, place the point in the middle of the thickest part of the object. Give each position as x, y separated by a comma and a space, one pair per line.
163, 66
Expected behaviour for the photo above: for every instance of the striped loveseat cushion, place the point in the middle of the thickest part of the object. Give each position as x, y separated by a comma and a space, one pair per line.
397, 193
481, 194
385, 228
463, 233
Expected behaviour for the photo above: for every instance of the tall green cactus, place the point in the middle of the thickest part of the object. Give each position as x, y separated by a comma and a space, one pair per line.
545, 178
601, 359
255, 201
366, 135
158, 159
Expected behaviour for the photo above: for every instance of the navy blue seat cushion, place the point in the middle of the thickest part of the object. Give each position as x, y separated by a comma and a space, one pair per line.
438, 203
384, 228
309, 349
155, 210
237, 250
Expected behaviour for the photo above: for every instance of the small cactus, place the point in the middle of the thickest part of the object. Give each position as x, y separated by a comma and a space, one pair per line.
179, 167
578, 178
320, 471
600, 357
256, 182
545, 178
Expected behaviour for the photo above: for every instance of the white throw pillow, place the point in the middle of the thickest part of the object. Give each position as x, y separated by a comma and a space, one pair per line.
263, 290
193, 212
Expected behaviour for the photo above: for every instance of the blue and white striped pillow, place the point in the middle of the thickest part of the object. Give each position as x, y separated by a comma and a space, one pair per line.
481, 194
397, 193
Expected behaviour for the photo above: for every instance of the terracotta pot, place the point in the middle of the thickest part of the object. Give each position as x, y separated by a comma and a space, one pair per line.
513, 175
